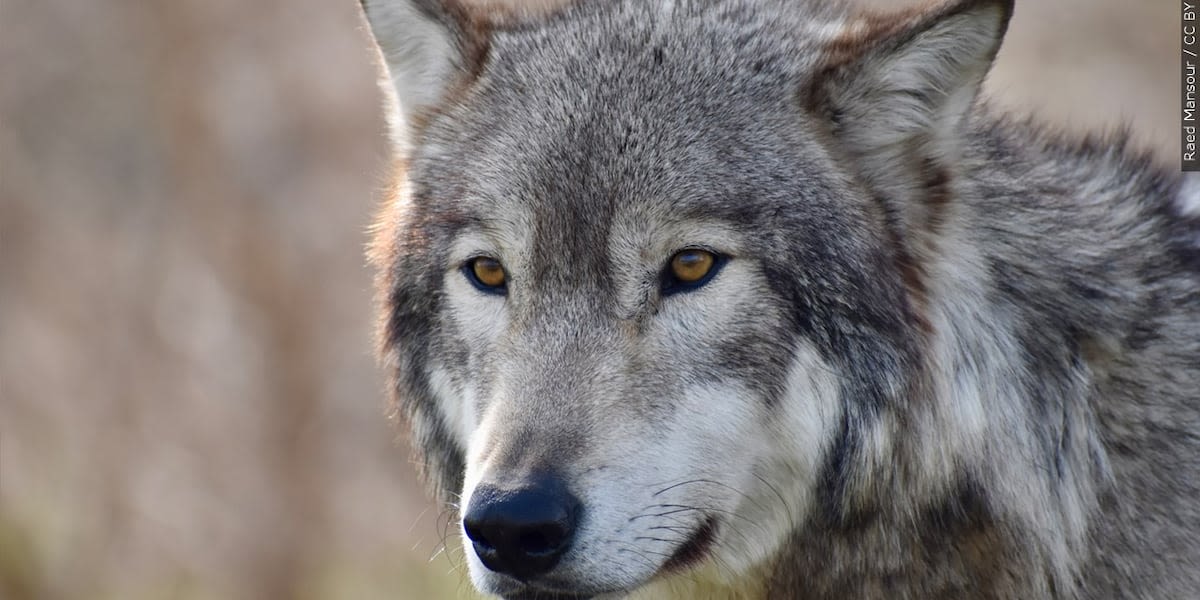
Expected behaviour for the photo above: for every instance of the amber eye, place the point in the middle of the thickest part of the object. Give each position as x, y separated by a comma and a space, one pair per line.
690, 266
486, 273
689, 269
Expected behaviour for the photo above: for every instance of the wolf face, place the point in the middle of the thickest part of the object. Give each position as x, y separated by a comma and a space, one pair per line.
605, 415
663, 290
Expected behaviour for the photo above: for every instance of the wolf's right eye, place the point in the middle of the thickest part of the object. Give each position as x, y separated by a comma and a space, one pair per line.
487, 274
689, 269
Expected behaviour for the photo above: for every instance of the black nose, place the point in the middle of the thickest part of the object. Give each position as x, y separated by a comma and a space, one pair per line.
522, 531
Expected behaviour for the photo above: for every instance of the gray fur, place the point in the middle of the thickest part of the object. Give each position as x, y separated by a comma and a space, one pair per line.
1010, 321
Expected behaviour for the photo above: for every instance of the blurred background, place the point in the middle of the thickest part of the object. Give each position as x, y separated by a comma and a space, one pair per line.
189, 404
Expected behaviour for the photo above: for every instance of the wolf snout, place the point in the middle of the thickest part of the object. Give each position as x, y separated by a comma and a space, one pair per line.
522, 531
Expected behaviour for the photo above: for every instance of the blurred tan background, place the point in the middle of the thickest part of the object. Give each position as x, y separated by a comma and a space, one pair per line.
189, 406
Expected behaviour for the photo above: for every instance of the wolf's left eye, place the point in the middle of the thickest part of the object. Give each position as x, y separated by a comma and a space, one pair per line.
487, 274
689, 269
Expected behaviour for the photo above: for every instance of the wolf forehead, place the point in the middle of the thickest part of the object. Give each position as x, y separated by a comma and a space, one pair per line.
601, 57
633, 116
614, 102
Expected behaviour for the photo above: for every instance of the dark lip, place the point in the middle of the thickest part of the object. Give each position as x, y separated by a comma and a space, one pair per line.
694, 550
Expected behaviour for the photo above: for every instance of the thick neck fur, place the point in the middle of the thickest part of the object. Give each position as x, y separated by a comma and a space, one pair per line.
1050, 316
1048, 320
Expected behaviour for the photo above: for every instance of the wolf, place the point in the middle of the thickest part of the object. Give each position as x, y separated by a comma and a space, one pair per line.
760, 299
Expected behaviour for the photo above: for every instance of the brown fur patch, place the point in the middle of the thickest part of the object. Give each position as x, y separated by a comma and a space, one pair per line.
868, 31
871, 30
907, 262
935, 181
382, 248
508, 13
921, 240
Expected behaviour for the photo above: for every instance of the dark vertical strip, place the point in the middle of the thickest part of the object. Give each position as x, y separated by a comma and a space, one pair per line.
1189, 64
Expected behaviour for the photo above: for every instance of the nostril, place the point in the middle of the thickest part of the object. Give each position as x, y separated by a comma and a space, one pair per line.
541, 542
521, 532
475, 534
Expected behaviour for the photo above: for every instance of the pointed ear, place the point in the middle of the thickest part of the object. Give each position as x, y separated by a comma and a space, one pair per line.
428, 47
432, 47
897, 89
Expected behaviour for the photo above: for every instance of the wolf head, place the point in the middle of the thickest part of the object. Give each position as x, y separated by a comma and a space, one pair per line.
650, 270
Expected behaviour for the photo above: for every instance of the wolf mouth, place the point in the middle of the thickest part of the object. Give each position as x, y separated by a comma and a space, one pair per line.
694, 549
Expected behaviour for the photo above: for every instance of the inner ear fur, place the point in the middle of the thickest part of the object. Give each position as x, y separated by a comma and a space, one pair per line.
897, 89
